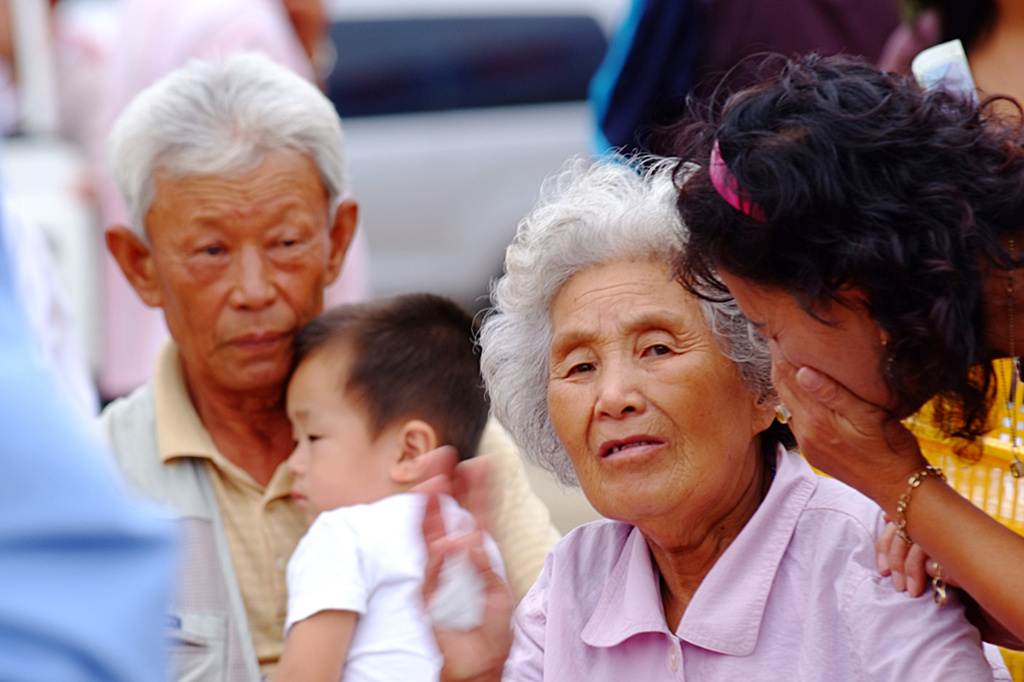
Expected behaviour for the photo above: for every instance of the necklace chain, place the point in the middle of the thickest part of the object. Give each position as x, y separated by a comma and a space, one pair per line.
1016, 466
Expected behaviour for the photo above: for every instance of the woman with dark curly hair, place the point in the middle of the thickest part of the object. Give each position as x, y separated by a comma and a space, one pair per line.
873, 232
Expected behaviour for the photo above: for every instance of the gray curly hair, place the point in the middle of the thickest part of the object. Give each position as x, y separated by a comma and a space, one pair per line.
590, 213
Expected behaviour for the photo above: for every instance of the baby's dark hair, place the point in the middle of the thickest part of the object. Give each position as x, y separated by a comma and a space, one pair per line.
415, 357
865, 180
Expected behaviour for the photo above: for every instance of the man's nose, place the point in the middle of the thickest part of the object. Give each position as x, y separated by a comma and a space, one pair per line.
254, 280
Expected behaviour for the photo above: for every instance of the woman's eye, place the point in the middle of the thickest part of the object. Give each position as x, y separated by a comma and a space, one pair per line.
580, 368
658, 349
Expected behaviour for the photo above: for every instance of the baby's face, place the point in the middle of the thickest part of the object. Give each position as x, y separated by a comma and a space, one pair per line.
336, 462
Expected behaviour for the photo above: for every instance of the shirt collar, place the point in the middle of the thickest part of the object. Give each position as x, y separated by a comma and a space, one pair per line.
727, 610
180, 432
631, 601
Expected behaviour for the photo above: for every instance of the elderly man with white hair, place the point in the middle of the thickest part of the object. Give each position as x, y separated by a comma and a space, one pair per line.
233, 174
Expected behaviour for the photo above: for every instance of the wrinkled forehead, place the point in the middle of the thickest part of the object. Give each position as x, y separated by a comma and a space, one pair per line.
174, 168
282, 191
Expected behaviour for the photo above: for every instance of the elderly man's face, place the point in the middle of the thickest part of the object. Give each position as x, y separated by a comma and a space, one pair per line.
656, 420
238, 263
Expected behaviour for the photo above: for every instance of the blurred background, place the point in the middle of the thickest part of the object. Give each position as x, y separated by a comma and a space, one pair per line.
454, 111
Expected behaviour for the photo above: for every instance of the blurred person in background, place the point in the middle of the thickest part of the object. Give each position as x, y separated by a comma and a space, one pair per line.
668, 49
234, 177
79, 58
56, 340
86, 573
992, 33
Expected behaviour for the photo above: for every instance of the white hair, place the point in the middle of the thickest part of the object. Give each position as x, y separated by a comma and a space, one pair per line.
590, 213
222, 117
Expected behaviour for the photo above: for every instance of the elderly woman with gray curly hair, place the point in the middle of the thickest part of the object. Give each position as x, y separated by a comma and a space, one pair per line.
724, 556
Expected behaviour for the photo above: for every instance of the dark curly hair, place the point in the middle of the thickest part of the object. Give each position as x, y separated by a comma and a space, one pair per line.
865, 180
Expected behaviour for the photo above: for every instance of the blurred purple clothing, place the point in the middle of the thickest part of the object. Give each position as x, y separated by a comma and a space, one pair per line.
668, 49
736, 29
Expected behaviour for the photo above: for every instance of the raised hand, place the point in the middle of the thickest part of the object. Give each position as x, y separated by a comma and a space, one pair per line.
846, 437
477, 654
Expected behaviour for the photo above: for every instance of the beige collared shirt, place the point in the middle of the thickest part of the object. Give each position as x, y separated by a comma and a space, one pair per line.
262, 525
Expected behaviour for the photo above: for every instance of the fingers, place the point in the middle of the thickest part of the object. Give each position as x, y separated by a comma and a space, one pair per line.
833, 395
935, 570
898, 551
439, 468
905, 564
433, 536
472, 489
913, 570
433, 521
885, 540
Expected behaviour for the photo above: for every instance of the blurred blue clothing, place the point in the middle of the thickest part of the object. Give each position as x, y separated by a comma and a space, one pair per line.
651, 59
85, 574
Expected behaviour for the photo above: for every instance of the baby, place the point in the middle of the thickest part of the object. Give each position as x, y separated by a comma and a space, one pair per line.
375, 387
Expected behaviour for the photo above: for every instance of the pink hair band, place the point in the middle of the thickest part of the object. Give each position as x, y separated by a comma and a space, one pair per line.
725, 184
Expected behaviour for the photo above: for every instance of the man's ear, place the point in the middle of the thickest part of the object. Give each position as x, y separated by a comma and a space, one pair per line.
416, 438
136, 260
342, 230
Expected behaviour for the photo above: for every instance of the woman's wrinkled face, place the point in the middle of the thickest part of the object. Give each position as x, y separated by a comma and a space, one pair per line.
656, 420
844, 342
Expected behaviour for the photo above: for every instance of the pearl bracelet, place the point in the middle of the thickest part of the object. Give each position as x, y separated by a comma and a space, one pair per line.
904, 501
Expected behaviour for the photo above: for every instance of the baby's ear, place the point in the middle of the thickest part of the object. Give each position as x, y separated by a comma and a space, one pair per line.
416, 438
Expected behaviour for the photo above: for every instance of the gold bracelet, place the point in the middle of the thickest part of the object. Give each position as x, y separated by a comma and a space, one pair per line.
904, 501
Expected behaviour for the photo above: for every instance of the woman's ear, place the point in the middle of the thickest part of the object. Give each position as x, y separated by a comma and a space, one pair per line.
858, 298
415, 438
764, 415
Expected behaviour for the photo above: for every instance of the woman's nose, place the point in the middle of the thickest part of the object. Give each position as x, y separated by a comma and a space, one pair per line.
619, 393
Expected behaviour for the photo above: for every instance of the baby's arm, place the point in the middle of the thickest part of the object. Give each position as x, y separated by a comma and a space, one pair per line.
316, 647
